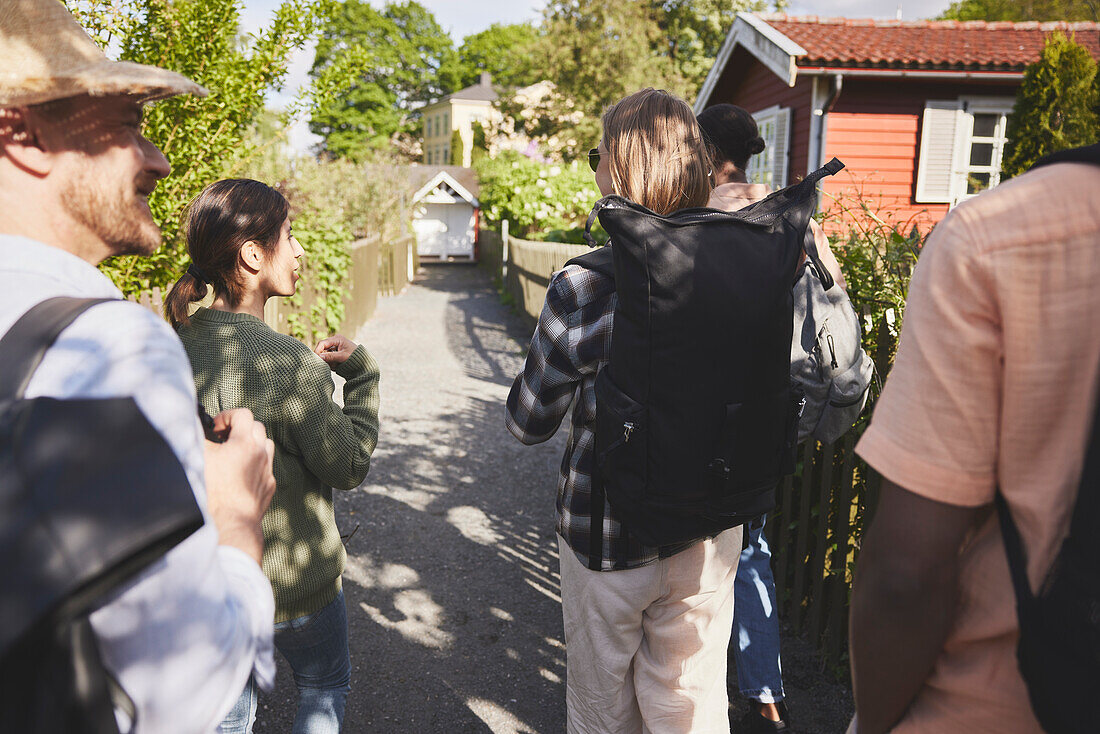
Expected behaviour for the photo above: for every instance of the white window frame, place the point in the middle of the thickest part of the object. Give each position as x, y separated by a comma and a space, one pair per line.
770, 166
1002, 108
943, 166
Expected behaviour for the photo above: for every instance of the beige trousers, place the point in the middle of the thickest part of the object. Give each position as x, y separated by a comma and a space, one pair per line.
646, 648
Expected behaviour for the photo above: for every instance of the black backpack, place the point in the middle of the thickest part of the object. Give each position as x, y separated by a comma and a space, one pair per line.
696, 416
90, 495
1059, 647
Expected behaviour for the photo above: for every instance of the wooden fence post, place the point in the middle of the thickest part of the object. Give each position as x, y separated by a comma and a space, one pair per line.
798, 594
836, 630
818, 607
504, 251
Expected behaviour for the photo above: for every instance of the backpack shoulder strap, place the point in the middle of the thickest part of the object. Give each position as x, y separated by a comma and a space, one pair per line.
1014, 549
599, 259
809, 244
1086, 509
24, 345
1085, 154
1082, 526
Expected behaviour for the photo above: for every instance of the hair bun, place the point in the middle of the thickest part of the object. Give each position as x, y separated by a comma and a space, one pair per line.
756, 145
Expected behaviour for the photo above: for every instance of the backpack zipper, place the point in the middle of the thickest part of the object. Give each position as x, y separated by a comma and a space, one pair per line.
848, 403
628, 428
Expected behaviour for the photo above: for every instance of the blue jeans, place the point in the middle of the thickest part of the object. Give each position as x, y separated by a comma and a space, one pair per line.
755, 621
316, 646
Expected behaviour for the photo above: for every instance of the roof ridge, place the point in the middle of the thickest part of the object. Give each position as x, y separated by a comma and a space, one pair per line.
1053, 25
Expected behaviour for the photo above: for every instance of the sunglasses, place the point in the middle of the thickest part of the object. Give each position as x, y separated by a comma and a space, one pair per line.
594, 159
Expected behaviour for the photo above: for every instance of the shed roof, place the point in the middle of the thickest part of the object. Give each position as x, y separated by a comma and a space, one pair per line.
924, 44
421, 174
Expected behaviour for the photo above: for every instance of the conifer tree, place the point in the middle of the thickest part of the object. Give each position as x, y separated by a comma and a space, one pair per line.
1055, 107
456, 148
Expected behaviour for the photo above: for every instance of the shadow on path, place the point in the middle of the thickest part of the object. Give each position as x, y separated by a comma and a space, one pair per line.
451, 582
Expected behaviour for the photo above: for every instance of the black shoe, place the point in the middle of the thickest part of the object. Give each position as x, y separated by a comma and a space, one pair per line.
753, 723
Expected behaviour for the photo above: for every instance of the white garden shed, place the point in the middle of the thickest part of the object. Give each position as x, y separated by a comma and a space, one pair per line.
445, 216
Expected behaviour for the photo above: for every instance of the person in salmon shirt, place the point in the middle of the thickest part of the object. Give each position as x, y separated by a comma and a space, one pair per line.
993, 390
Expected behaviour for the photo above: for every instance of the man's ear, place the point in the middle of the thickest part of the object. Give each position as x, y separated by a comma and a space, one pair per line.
20, 144
252, 256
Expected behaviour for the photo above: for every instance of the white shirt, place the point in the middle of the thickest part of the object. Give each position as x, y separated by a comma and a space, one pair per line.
183, 637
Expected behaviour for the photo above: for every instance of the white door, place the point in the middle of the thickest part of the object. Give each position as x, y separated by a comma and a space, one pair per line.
460, 231
431, 230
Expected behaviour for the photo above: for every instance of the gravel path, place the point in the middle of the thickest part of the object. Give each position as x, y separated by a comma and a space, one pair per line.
452, 584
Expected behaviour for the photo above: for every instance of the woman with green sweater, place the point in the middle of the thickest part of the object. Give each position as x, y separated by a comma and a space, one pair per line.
239, 238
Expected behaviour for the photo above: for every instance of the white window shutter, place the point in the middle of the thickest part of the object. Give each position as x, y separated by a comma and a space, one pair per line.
939, 150
780, 151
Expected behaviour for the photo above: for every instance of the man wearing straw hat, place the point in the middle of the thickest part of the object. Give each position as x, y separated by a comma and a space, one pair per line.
75, 176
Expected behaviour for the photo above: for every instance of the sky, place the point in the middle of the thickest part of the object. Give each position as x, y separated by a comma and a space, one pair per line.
463, 17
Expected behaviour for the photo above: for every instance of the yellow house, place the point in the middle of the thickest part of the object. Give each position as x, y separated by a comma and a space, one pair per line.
458, 111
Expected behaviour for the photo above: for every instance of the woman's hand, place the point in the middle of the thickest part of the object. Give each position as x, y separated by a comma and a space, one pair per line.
335, 349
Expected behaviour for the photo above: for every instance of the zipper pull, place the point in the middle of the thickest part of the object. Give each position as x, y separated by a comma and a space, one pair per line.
832, 350
628, 428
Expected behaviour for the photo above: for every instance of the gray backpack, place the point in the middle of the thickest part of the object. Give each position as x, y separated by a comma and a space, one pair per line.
827, 360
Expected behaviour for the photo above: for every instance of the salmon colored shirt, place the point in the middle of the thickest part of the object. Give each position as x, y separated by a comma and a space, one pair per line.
995, 383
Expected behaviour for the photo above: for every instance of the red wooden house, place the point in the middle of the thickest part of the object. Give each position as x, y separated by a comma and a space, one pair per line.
917, 110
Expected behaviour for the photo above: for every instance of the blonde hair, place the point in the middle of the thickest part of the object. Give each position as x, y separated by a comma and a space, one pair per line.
658, 156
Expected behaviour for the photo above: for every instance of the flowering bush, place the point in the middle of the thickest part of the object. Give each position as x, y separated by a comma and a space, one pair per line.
535, 197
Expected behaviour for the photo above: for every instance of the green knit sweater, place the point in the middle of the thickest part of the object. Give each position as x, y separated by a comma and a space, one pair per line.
239, 362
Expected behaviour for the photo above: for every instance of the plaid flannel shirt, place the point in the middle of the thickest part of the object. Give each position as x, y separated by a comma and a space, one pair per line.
571, 343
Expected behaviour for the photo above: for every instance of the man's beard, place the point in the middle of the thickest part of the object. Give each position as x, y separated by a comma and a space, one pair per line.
119, 218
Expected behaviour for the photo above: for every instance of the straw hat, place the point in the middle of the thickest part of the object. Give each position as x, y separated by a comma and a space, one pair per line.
46, 55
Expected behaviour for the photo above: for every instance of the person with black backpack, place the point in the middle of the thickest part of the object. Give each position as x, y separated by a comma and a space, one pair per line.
132, 594
675, 443
645, 632
975, 601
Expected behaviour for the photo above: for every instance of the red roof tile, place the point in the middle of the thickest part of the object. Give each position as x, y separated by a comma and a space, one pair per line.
926, 44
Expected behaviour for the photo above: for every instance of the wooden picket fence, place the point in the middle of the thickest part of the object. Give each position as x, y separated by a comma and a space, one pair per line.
397, 262
525, 266
152, 300
814, 534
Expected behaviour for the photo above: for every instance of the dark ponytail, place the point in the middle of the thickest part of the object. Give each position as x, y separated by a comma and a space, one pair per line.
732, 133
217, 223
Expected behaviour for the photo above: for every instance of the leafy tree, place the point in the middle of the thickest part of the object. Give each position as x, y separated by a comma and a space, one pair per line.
598, 51
505, 51
1055, 107
406, 59
1023, 10
692, 32
204, 139
595, 51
